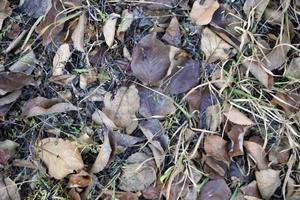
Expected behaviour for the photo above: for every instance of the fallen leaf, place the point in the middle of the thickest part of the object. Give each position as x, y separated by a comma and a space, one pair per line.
288, 101
51, 26
251, 190
126, 140
5, 11
215, 190
214, 47
255, 8
73, 194
81, 179
35, 8
100, 118
280, 153
78, 33
293, 69
257, 69
172, 34
138, 174
105, 153
7, 101
150, 60
203, 14
60, 59
236, 135
158, 4
213, 117
25, 64
127, 19
64, 80
43, 106
9, 189
186, 77
154, 103
11, 81
7, 150
109, 29
257, 153
215, 146
60, 156
154, 191
235, 116
267, 181
121, 110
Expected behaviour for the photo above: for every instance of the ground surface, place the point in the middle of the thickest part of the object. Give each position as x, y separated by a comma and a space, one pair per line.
170, 99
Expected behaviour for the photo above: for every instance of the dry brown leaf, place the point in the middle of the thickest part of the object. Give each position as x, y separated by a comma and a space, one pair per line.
100, 118
214, 47
50, 27
213, 117
255, 8
109, 29
43, 106
267, 181
127, 19
150, 60
122, 108
73, 194
172, 34
155, 104
60, 59
236, 135
11, 81
293, 69
138, 174
236, 117
5, 11
126, 140
257, 69
25, 64
202, 14
81, 179
257, 153
60, 156
280, 154
9, 189
215, 190
78, 33
65, 79
216, 147
105, 153
7, 101
288, 101
251, 190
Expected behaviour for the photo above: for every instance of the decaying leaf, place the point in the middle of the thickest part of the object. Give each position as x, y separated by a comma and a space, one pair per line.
105, 153
7, 101
109, 29
154, 103
255, 8
293, 69
236, 117
126, 140
9, 190
7, 150
60, 59
288, 101
213, 117
127, 19
100, 118
5, 11
257, 153
50, 27
122, 108
25, 64
78, 33
214, 47
267, 181
11, 81
215, 146
236, 135
60, 156
172, 34
150, 60
43, 106
81, 179
35, 8
202, 14
215, 190
138, 174
251, 190
73, 194
280, 154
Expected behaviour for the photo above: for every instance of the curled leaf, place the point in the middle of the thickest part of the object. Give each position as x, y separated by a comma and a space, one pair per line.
109, 29
203, 14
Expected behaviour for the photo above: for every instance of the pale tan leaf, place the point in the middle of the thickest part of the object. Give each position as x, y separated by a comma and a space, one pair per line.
78, 34
215, 146
214, 47
60, 59
100, 118
293, 69
257, 153
202, 14
267, 181
9, 190
5, 11
109, 29
60, 156
122, 108
255, 8
127, 19
25, 64
236, 117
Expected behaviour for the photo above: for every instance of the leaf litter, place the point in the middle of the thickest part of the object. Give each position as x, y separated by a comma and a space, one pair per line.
149, 99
